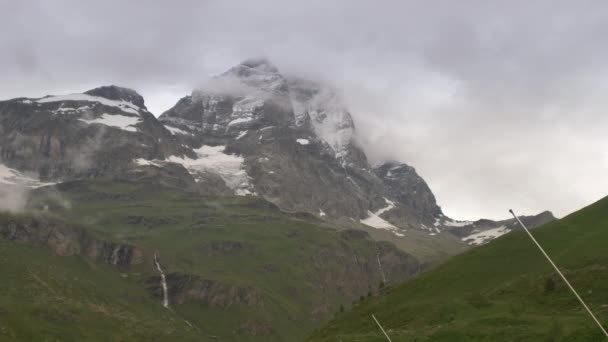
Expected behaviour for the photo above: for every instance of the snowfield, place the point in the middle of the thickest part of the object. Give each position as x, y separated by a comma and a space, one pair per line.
375, 221
452, 223
126, 123
212, 159
125, 106
175, 131
13, 177
483, 237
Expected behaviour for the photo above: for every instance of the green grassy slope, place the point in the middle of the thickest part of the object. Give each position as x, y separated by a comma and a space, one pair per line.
50, 298
286, 263
503, 291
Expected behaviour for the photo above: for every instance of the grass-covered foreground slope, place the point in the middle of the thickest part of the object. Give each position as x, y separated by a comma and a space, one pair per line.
79, 266
503, 291
50, 298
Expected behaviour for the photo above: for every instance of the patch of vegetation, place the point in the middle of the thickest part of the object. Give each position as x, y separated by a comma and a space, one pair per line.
503, 291
266, 275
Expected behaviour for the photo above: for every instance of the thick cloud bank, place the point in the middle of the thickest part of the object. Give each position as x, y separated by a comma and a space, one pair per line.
498, 104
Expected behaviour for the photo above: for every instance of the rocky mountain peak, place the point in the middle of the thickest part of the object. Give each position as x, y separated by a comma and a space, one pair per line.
404, 184
254, 77
117, 93
260, 64
250, 95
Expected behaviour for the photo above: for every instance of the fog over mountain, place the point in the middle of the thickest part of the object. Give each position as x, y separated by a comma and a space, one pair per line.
497, 105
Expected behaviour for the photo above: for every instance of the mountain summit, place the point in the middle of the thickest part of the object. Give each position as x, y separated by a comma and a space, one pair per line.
113, 92
261, 64
247, 131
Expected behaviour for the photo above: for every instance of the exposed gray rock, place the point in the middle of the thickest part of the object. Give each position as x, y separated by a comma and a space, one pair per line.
186, 288
64, 240
113, 92
96, 133
408, 188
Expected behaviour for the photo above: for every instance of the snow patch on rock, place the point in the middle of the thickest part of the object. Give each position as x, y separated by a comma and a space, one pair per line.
125, 106
126, 123
374, 220
242, 134
13, 177
176, 131
212, 159
480, 238
453, 223
70, 110
239, 121
303, 141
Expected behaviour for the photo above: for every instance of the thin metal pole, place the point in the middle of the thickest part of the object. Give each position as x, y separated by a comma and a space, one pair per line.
560, 273
381, 328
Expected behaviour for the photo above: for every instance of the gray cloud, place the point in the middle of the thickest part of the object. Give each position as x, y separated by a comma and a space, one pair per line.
13, 198
498, 104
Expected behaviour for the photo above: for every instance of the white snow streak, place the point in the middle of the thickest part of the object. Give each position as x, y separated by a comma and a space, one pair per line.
374, 220
70, 110
175, 131
211, 159
485, 236
125, 106
239, 121
242, 134
126, 123
453, 223
303, 141
13, 177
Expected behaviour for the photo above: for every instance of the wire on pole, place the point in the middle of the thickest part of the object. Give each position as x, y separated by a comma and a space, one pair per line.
560, 273
381, 328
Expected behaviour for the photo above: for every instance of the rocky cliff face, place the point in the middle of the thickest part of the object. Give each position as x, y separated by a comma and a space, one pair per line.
65, 240
92, 134
187, 288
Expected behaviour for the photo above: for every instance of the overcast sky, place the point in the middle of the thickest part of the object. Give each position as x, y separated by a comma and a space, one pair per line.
497, 104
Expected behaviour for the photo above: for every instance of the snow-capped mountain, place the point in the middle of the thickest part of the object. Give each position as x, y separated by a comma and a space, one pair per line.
80, 135
248, 131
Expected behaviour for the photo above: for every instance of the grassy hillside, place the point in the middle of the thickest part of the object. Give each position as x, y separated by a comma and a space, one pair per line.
503, 291
237, 268
50, 298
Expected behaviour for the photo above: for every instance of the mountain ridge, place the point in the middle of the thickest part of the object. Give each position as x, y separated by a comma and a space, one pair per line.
257, 124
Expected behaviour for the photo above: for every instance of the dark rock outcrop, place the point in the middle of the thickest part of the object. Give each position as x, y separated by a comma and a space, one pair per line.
404, 184
65, 240
186, 288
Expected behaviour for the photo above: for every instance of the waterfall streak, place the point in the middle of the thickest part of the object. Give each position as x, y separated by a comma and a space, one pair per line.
163, 282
